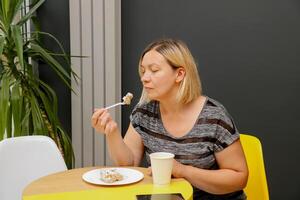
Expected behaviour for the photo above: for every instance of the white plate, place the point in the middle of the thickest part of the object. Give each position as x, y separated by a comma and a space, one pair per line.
129, 176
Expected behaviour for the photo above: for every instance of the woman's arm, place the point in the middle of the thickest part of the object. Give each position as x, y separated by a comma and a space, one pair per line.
127, 152
134, 142
232, 175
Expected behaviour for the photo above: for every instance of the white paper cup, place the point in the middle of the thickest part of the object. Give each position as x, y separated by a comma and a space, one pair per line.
161, 166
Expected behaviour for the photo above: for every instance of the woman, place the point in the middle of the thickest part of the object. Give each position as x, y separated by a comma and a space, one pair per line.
173, 116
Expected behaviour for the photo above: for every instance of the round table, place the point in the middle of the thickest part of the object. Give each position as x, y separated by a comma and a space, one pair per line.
69, 185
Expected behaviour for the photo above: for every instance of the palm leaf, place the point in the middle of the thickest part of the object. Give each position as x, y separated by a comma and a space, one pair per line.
3, 28
48, 109
36, 27
16, 105
17, 37
58, 43
9, 122
15, 6
30, 12
2, 41
37, 118
35, 34
4, 10
63, 54
51, 94
67, 148
54, 64
26, 118
4, 104
26, 102
1, 13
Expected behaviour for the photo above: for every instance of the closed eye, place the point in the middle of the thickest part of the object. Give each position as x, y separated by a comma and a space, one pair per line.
154, 69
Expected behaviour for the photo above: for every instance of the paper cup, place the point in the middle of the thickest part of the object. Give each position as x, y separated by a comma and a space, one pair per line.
161, 165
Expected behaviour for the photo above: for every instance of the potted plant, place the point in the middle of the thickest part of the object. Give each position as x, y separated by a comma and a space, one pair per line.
28, 106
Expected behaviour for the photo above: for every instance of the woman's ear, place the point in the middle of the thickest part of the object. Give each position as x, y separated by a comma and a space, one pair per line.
180, 74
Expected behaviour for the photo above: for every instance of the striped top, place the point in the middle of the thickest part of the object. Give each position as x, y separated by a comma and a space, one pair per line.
213, 131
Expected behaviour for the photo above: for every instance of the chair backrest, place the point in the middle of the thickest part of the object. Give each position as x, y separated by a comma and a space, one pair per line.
257, 188
24, 159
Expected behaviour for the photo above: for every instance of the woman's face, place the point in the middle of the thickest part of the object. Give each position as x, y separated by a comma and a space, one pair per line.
158, 77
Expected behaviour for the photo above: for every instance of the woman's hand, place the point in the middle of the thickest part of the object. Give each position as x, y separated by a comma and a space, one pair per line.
102, 122
177, 170
149, 171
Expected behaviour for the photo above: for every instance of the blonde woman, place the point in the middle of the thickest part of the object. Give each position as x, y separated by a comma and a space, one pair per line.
174, 116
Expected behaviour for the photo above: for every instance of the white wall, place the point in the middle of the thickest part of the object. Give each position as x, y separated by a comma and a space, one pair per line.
95, 32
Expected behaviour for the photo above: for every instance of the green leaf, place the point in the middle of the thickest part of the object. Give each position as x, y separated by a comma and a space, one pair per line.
26, 118
39, 126
4, 10
1, 13
17, 37
27, 103
30, 12
48, 109
64, 54
67, 148
56, 66
14, 9
9, 123
16, 105
4, 104
51, 94
2, 42
36, 26
66, 57
2, 27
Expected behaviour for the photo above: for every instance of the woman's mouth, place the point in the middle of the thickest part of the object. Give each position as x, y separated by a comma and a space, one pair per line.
148, 88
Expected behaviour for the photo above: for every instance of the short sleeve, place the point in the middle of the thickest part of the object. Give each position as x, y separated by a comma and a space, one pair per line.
135, 116
226, 132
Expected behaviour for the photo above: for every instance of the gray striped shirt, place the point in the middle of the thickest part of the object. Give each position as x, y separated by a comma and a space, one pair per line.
213, 131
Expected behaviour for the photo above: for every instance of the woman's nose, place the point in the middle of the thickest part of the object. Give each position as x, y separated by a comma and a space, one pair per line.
145, 77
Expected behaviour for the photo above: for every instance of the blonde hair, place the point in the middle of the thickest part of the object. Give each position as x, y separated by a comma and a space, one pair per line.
177, 55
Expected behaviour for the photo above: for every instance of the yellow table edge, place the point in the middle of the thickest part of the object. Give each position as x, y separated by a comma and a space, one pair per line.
128, 192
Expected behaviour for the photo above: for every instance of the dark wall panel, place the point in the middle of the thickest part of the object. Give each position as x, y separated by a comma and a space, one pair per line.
53, 16
248, 59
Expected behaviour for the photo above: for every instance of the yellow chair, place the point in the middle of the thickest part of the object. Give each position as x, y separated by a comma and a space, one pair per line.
257, 188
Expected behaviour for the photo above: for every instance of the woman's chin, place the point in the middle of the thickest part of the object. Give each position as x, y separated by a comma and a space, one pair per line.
151, 97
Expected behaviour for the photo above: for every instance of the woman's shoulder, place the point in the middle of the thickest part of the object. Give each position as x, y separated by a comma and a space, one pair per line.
143, 112
214, 103
214, 108
146, 107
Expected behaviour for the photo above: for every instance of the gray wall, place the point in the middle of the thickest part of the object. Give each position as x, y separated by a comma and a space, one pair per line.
248, 57
53, 16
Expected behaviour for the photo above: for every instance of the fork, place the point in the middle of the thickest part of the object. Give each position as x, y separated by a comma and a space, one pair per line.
114, 105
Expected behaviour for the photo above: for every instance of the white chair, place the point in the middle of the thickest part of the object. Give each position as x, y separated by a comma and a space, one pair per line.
24, 159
